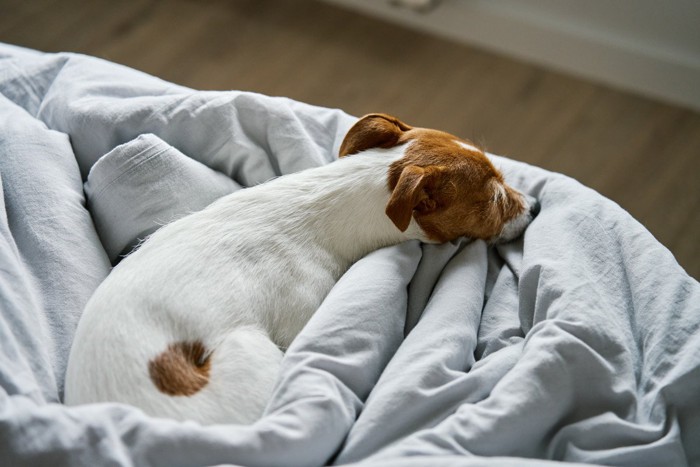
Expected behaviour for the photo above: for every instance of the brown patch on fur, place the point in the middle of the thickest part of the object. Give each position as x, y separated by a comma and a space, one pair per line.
182, 369
450, 190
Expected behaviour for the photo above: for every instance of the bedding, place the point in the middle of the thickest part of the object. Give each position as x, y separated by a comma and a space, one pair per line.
577, 343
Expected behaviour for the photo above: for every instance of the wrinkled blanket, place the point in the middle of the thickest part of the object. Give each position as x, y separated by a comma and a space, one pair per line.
579, 342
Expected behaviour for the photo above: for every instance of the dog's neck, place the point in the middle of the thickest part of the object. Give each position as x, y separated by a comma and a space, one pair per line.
340, 207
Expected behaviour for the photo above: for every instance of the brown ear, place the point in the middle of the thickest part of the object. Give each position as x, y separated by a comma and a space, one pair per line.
412, 191
373, 131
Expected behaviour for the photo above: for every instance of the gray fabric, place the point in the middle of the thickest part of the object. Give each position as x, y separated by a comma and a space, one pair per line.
52, 259
144, 184
579, 342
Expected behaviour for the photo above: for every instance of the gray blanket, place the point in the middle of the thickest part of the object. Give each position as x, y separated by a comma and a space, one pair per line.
579, 342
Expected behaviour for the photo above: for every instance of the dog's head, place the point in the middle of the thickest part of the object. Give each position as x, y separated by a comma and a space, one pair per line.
446, 184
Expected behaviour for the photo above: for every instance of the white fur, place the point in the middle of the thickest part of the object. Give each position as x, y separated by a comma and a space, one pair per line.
514, 227
243, 276
517, 225
468, 147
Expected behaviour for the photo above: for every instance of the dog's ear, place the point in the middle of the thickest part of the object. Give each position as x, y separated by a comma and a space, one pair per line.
373, 131
413, 192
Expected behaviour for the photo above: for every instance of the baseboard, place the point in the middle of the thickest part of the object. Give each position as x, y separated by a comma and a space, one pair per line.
653, 72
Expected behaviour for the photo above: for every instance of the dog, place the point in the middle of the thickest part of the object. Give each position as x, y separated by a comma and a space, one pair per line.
194, 323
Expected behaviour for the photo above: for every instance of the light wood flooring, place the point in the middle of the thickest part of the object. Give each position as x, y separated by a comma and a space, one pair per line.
643, 154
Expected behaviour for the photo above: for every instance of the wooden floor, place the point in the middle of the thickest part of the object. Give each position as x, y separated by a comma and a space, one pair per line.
643, 154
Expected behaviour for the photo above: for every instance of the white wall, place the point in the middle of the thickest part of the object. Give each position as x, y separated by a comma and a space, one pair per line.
647, 46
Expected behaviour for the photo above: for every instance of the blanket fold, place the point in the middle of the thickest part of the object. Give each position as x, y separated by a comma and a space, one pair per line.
144, 184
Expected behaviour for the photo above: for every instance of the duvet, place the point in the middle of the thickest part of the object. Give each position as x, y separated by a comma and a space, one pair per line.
577, 343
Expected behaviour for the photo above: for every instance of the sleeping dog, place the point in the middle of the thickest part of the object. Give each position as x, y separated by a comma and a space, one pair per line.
194, 323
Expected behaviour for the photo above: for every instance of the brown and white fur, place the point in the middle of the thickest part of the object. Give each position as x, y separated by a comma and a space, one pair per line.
192, 324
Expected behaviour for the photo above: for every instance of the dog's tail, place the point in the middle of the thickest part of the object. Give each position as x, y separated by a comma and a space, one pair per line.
229, 381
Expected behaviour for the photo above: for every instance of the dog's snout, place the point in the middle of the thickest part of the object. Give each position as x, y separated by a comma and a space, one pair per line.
531, 205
